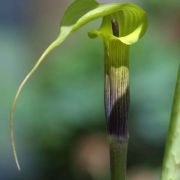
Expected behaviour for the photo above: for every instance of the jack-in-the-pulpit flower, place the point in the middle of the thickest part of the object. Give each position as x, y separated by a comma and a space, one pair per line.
122, 25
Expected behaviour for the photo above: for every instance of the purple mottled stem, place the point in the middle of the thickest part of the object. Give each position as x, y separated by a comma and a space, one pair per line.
116, 88
117, 105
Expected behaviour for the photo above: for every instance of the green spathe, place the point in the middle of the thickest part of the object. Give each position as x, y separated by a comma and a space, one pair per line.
131, 18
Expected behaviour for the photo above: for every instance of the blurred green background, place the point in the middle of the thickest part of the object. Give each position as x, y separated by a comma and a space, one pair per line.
59, 122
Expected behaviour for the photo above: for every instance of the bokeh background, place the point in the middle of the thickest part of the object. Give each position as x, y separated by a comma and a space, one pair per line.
59, 122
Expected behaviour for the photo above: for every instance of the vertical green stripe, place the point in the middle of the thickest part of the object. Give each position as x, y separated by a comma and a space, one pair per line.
171, 163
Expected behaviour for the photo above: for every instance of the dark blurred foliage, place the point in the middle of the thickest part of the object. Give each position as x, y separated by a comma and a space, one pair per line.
59, 122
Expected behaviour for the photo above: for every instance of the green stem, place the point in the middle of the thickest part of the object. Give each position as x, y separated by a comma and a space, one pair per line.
117, 105
171, 162
118, 158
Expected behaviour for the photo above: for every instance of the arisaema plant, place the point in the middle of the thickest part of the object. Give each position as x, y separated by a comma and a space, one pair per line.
123, 24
